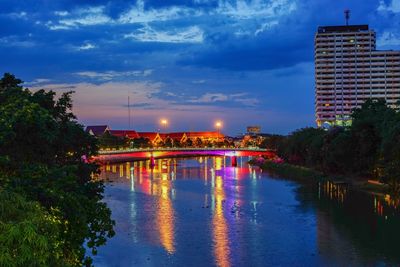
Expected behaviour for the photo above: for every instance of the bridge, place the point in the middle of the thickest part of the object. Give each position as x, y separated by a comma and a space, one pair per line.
154, 153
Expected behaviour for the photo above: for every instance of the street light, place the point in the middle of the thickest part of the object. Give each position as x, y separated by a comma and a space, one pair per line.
218, 125
164, 123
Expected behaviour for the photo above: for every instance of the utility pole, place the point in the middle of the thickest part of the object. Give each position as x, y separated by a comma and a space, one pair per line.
129, 114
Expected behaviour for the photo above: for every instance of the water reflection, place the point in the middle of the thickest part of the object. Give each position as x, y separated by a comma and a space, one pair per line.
220, 228
201, 211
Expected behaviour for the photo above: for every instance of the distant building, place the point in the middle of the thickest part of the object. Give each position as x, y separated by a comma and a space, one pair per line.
179, 137
349, 70
154, 137
253, 129
125, 133
97, 130
205, 136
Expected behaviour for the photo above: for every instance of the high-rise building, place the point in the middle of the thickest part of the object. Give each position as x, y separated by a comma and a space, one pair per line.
349, 70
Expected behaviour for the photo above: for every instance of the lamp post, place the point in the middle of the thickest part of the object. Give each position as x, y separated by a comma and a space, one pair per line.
218, 126
164, 123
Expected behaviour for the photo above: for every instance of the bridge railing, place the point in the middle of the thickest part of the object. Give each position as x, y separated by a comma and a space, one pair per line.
160, 149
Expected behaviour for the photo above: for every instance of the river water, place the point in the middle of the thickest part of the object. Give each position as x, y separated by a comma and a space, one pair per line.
203, 212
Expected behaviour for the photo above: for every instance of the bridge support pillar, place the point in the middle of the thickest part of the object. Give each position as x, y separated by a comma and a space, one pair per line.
152, 161
234, 161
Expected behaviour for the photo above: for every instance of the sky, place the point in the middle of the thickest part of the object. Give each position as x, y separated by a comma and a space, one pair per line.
244, 62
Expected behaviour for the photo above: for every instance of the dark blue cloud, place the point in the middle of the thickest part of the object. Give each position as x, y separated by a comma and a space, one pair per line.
192, 47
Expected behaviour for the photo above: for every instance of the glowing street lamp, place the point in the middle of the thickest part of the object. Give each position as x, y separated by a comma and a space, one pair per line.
164, 123
218, 125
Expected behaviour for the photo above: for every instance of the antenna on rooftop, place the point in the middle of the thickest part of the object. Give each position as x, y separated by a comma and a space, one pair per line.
347, 16
129, 114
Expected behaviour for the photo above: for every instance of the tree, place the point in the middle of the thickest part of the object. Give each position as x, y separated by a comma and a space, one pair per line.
189, 143
370, 124
142, 142
337, 153
297, 149
272, 142
29, 236
41, 146
198, 142
168, 142
108, 140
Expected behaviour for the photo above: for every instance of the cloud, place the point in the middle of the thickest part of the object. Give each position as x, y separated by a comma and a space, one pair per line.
17, 41
89, 16
210, 98
199, 81
37, 81
393, 6
245, 10
86, 46
148, 34
389, 39
251, 17
138, 14
110, 75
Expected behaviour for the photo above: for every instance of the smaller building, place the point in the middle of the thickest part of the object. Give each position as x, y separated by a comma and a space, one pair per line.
154, 137
179, 137
125, 133
253, 130
97, 130
205, 136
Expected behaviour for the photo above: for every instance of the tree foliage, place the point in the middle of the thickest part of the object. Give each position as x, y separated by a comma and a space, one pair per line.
369, 148
41, 146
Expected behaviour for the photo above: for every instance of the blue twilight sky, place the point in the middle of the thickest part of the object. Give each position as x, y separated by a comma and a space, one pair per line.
244, 62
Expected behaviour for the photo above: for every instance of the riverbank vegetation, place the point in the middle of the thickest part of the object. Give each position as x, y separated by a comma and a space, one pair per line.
50, 208
368, 149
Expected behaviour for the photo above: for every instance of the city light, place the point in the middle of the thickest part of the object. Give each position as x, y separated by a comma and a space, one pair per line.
164, 122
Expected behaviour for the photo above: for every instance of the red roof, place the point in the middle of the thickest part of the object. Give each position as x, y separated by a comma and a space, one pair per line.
125, 133
150, 135
97, 130
175, 136
204, 135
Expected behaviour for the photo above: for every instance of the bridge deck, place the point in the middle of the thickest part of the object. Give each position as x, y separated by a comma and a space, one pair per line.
143, 154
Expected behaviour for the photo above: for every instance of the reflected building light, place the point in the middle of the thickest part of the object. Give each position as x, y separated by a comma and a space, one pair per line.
141, 172
132, 179
218, 163
220, 228
212, 178
121, 170
205, 200
212, 202
173, 193
114, 168
205, 172
165, 221
133, 220
127, 168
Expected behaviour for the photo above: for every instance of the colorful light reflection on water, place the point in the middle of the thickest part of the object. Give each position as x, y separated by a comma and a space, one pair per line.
203, 212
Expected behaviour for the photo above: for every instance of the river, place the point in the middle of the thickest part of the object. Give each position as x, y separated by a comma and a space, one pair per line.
203, 212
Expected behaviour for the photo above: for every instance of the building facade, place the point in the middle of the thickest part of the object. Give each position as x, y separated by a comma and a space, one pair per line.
349, 70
